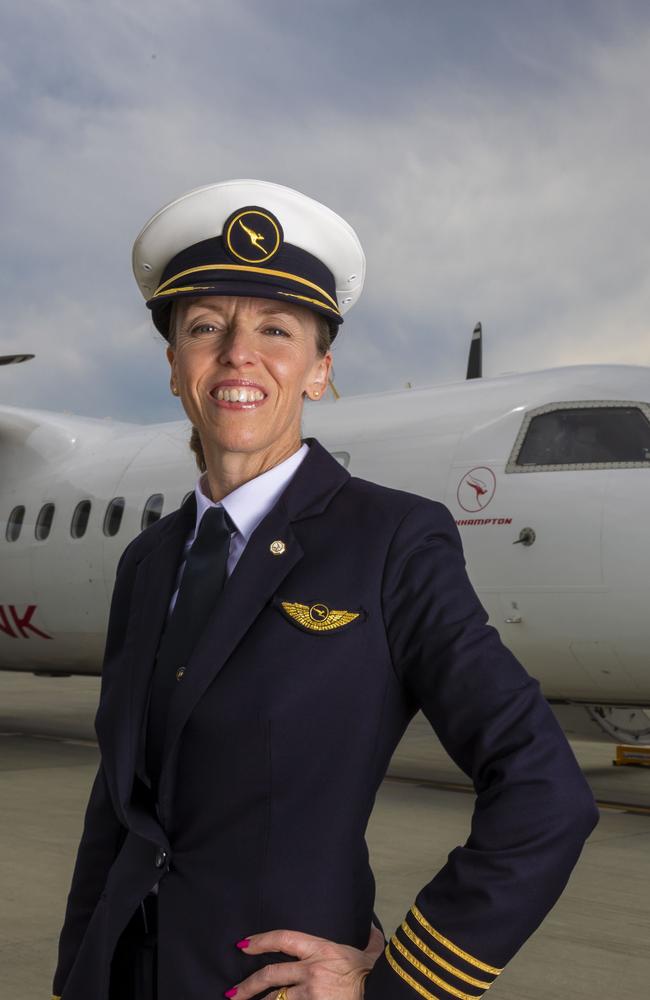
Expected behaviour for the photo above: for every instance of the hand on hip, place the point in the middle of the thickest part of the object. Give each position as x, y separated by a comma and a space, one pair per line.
325, 970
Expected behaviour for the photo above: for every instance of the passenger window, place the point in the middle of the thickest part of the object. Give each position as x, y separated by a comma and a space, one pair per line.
152, 510
343, 457
15, 523
44, 521
80, 517
596, 435
113, 516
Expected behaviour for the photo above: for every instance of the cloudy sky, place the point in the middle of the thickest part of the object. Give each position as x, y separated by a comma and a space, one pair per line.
493, 156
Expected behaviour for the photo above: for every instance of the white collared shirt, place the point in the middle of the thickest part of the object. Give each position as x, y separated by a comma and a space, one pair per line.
246, 505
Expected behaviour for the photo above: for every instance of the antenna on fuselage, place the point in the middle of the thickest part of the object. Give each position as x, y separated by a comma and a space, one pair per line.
13, 359
475, 359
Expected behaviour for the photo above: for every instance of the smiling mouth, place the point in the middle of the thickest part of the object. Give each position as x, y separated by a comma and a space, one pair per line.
237, 398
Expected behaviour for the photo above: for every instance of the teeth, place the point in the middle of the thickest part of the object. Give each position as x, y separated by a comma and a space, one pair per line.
240, 395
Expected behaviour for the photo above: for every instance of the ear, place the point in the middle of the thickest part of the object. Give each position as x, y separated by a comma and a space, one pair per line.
171, 354
319, 376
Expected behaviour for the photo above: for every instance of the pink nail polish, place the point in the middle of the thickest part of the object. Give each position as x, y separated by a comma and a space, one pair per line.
231, 993
244, 943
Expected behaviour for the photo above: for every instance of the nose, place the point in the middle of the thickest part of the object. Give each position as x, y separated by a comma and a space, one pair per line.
237, 348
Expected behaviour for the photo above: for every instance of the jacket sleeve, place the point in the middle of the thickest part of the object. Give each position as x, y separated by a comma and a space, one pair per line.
102, 834
533, 808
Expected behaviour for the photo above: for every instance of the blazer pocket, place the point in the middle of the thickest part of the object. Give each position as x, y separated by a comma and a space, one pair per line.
318, 618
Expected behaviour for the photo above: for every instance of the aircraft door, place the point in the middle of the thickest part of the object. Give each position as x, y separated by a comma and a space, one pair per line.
532, 530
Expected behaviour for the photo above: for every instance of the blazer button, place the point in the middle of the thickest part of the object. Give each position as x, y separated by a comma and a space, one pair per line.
179, 673
161, 857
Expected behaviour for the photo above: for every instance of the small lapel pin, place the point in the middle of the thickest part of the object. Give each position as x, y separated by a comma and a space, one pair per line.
277, 547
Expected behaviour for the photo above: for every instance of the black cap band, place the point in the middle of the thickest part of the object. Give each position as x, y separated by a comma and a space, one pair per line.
249, 258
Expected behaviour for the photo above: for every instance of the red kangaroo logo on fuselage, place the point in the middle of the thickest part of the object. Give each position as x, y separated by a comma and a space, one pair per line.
483, 487
477, 485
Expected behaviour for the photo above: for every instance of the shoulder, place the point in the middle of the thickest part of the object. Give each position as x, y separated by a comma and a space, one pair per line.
400, 509
415, 537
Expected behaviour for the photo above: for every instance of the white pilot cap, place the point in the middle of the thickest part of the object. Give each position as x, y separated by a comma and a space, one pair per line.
249, 237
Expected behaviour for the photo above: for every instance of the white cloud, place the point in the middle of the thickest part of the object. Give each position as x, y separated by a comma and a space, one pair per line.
515, 194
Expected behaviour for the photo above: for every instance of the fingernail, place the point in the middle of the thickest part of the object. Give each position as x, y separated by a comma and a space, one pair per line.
231, 993
244, 943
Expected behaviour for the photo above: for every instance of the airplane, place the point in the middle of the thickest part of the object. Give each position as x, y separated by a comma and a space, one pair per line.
547, 474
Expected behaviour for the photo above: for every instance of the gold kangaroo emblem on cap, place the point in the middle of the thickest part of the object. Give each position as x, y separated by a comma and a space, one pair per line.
253, 236
318, 617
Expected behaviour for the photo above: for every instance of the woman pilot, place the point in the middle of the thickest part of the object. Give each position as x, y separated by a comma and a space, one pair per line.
268, 643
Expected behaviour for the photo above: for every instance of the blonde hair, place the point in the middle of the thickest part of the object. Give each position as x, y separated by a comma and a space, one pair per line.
323, 344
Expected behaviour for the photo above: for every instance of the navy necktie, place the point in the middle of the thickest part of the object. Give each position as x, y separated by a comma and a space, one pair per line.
203, 578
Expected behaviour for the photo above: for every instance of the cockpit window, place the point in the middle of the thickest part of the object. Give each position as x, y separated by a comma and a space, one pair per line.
602, 434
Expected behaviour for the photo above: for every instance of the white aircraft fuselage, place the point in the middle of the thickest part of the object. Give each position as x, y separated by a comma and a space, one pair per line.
570, 598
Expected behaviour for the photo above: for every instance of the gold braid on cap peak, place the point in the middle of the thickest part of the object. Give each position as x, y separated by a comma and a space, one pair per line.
163, 288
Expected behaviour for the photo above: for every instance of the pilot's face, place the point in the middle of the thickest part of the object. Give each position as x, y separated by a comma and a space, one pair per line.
266, 342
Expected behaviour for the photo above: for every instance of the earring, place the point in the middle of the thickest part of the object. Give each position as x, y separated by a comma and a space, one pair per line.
175, 390
317, 392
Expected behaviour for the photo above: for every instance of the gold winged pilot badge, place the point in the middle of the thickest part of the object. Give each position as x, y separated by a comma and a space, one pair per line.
317, 617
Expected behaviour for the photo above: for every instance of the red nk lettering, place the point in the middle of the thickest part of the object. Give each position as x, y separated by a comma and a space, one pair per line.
22, 624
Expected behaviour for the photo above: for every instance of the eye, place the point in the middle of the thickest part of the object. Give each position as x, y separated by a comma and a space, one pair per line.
276, 329
203, 327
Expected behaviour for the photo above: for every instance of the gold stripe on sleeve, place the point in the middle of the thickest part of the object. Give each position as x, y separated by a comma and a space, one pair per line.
451, 946
405, 976
421, 967
440, 961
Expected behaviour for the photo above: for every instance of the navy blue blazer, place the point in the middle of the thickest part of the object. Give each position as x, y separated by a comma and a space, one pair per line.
316, 657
